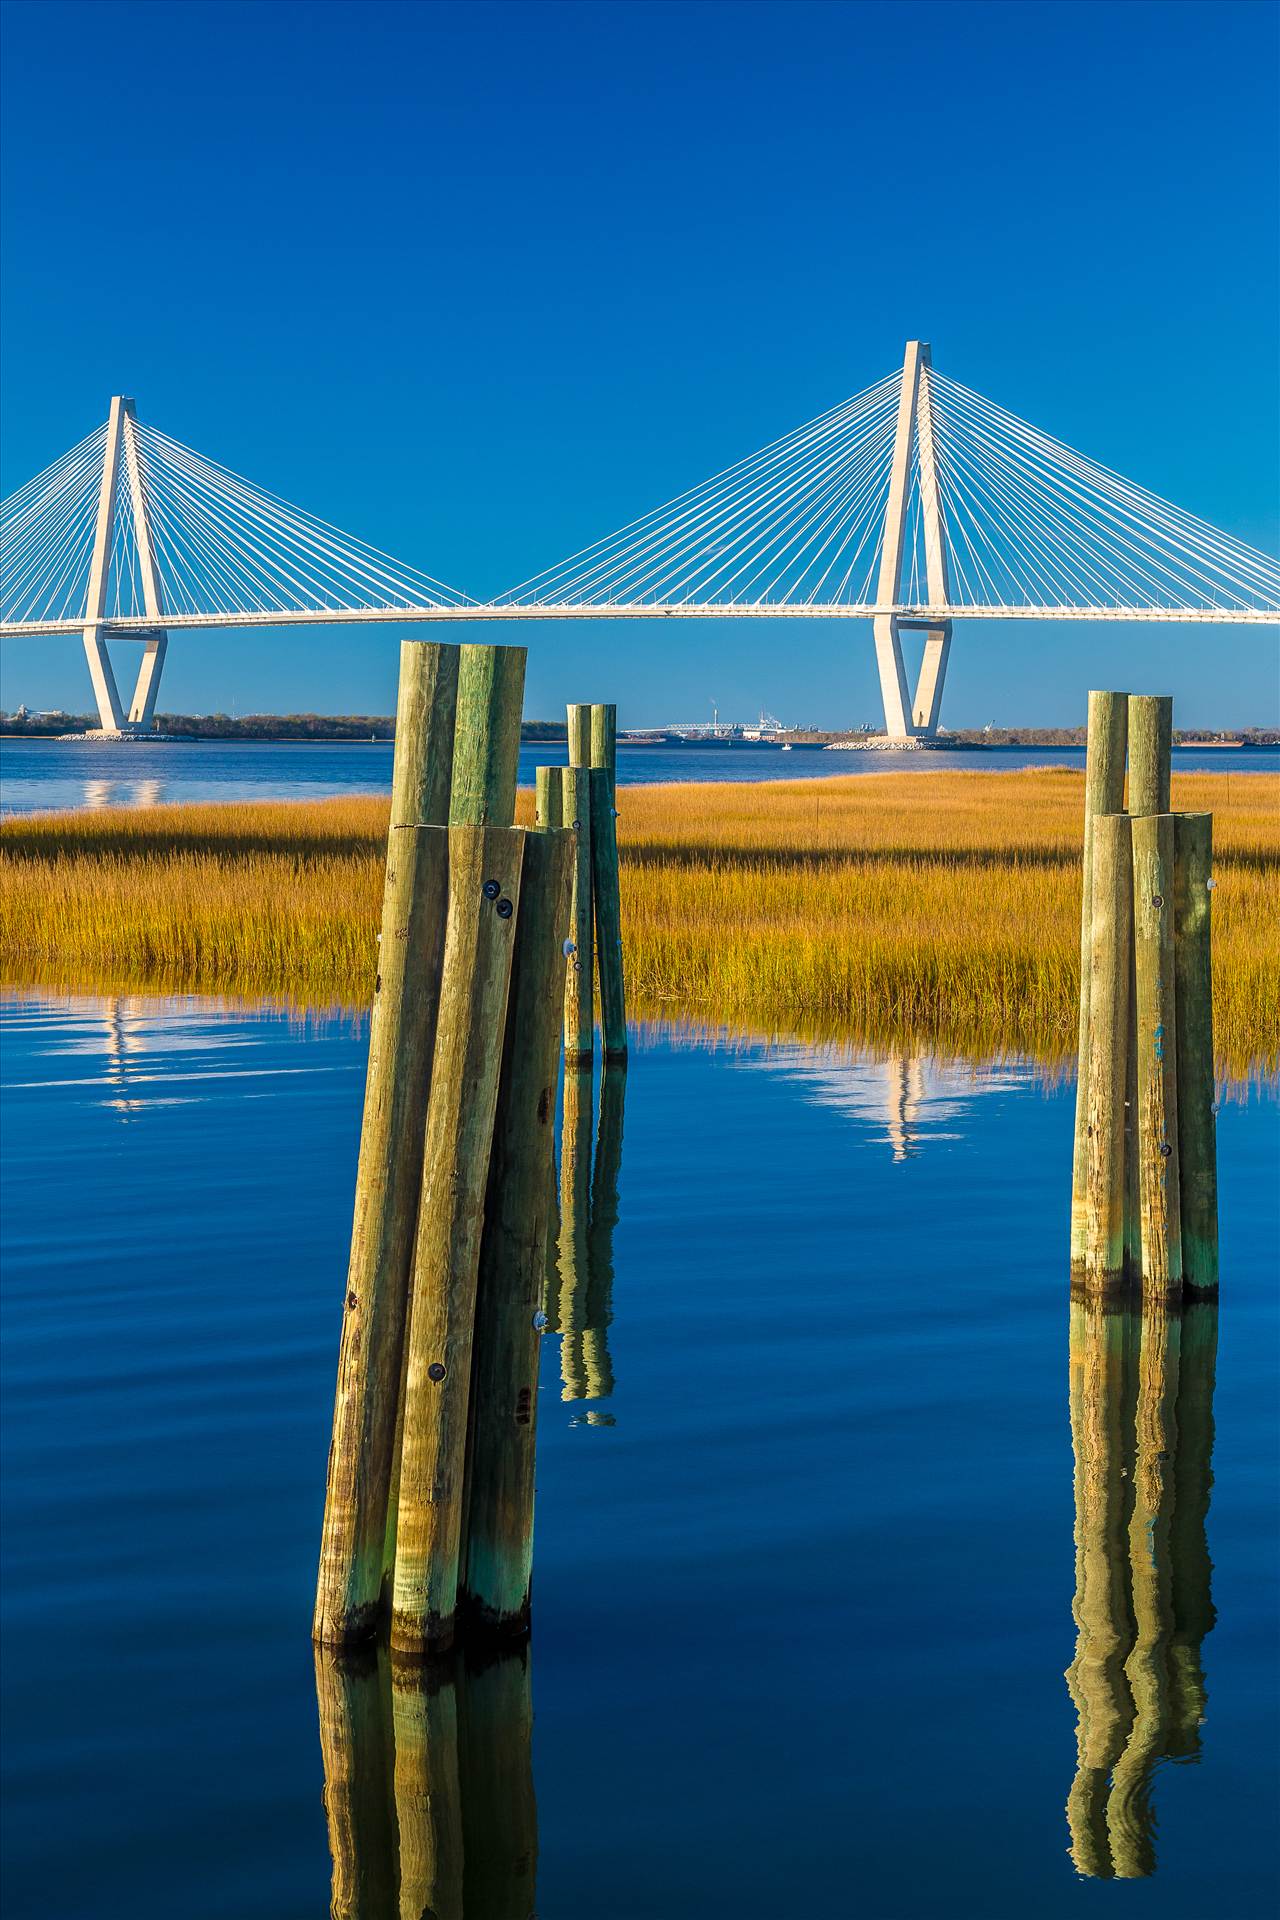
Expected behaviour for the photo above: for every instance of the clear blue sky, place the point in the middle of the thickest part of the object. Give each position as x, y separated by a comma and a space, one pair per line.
482, 282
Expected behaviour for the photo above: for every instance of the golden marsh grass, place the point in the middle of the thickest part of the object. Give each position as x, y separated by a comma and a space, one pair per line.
936, 907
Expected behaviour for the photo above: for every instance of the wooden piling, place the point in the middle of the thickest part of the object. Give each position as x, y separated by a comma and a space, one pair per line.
484, 892
1150, 752
1103, 793
1155, 1023
579, 997
1150, 730
1104, 1114
548, 797
486, 750
355, 1561
497, 1549
604, 877
579, 734
1193, 973
604, 738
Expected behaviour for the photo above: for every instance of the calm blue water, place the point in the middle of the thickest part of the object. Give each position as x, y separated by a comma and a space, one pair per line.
42, 774
803, 1605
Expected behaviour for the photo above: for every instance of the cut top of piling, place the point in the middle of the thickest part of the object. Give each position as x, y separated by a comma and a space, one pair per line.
486, 742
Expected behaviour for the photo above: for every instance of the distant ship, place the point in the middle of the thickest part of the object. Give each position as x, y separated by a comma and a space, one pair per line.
767, 732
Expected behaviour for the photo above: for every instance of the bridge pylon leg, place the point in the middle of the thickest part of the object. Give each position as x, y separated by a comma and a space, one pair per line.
105, 691
933, 672
143, 706
893, 677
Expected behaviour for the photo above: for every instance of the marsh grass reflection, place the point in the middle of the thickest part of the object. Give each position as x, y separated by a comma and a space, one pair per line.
1142, 1431
580, 1278
428, 1788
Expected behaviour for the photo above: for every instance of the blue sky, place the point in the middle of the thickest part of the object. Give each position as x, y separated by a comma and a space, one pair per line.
480, 283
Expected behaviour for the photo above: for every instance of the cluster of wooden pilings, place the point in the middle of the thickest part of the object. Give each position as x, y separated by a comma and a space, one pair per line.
583, 795
429, 1499
1144, 1189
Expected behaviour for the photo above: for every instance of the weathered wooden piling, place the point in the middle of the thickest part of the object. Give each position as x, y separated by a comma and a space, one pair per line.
355, 1555
1150, 725
1108, 1049
1193, 974
1150, 744
604, 738
1103, 793
487, 738
578, 733
605, 882
484, 896
1155, 1135
548, 797
579, 997
497, 1549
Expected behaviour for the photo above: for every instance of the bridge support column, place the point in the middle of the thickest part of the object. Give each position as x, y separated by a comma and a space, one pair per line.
105, 691
143, 707
913, 436
933, 672
893, 677
122, 439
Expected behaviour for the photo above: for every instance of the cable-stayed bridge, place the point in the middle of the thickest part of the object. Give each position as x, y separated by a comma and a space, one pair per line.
914, 504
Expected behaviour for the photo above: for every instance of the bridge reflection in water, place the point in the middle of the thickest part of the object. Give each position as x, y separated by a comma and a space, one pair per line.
428, 1788
1142, 1431
580, 1267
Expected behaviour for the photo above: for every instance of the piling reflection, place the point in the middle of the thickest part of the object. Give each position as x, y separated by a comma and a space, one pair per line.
1142, 1430
580, 1279
428, 1788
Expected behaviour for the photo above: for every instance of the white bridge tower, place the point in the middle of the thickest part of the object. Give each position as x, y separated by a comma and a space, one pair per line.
903, 717
122, 440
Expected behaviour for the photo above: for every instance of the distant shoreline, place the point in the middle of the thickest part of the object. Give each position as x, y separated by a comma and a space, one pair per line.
378, 730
